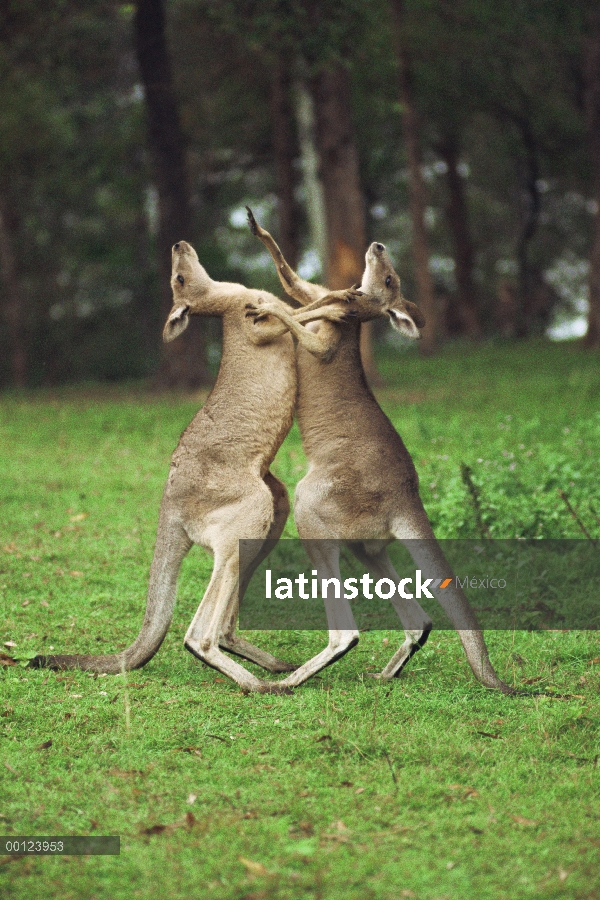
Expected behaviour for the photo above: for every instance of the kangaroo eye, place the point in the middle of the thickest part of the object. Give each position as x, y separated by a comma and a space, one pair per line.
388, 281
180, 279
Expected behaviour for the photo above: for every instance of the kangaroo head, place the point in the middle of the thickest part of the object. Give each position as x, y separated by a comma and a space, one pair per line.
382, 282
189, 283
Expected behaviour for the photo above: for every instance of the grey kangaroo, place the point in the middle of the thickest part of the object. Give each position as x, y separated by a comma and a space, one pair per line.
361, 486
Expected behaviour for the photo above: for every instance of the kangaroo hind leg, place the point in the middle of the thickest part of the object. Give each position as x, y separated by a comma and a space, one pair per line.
254, 513
415, 621
343, 633
229, 640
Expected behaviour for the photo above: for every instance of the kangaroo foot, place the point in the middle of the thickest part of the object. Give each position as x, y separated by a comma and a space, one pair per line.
246, 650
413, 643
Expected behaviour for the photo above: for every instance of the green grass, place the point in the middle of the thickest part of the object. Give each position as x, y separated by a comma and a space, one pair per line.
429, 787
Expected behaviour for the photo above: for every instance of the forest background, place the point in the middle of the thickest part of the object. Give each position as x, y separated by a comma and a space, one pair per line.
465, 135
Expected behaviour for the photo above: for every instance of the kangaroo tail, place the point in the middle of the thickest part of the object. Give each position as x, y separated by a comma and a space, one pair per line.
429, 556
172, 544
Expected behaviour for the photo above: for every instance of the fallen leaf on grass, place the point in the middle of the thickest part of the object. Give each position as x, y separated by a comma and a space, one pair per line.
45, 746
520, 820
6, 660
324, 737
584, 759
342, 833
9, 644
253, 868
340, 838
191, 798
533, 680
359, 791
497, 737
126, 773
75, 574
468, 791
79, 517
188, 821
155, 829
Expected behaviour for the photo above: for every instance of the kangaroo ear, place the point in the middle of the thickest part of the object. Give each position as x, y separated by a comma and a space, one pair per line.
417, 316
177, 322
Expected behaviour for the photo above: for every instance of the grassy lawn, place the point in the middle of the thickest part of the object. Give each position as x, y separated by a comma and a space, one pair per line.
429, 787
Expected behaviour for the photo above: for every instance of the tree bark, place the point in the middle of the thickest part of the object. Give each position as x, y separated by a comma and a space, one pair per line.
183, 363
591, 77
13, 307
531, 218
344, 201
466, 299
285, 151
309, 158
417, 189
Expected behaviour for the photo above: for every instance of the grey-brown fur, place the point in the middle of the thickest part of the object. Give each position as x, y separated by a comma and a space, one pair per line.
361, 486
219, 487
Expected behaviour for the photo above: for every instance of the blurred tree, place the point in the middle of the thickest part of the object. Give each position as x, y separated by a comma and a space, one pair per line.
183, 363
417, 190
591, 86
316, 39
506, 100
344, 199
13, 307
73, 192
466, 321
285, 151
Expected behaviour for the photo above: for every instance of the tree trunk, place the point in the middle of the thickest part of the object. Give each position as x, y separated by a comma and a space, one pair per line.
417, 190
309, 158
13, 307
531, 217
591, 74
183, 363
344, 201
466, 300
285, 151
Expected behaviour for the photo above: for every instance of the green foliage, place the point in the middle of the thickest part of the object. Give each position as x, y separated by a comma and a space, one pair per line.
75, 175
427, 787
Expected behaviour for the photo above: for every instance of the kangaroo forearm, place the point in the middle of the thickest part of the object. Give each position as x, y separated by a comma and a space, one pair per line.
302, 291
264, 331
327, 299
314, 343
